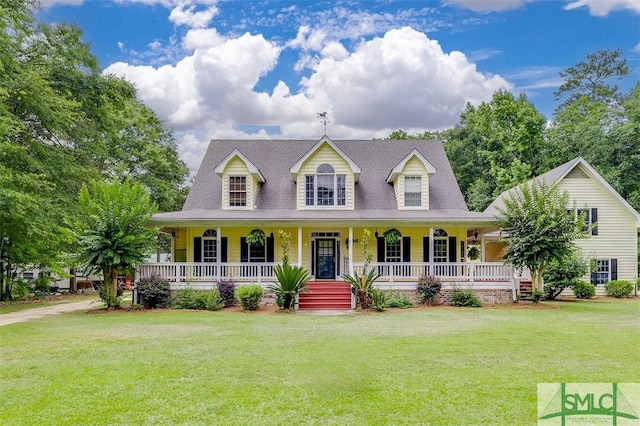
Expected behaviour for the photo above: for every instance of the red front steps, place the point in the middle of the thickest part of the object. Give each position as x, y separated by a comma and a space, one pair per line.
326, 295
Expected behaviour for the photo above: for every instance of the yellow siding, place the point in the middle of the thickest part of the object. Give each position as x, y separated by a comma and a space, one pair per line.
617, 235
326, 154
494, 251
237, 167
186, 236
413, 167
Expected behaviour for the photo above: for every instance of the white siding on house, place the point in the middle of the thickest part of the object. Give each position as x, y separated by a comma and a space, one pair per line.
617, 232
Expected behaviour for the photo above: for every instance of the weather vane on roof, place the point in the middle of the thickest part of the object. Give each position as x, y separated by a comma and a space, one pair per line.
324, 119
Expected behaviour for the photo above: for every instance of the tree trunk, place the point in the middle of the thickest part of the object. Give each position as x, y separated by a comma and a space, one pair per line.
73, 284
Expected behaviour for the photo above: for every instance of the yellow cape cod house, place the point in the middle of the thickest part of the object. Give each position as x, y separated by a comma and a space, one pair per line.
325, 193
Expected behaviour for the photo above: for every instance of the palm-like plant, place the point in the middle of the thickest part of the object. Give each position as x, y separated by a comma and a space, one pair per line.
363, 284
292, 280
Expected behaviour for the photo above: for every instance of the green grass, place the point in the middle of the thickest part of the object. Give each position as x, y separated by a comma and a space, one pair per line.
417, 366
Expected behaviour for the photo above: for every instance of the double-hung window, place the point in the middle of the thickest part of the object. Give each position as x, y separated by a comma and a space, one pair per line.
237, 191
412, 191
325, 188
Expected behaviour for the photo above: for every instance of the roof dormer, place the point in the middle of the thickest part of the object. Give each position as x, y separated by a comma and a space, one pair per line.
295, 169
241, 181
325, 178
410, 180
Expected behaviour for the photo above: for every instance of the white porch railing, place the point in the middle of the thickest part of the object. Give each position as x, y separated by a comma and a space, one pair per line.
201, 274
450, 272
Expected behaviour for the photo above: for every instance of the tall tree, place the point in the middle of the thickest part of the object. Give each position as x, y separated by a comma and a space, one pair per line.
112, 230
590, 77
62, 124
498, 142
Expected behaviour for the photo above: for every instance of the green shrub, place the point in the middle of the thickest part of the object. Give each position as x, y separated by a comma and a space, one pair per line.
429, 288
212, 300
564, 273
153, 291
378, 299
618, 288
584, 290
250, 296
536, 296
110, 302
465, 297
190, 298
227, 291
398, 300
20, 289
183, 299
43, 284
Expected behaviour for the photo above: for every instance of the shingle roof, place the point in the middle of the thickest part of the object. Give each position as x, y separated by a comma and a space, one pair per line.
375, 198
553, 176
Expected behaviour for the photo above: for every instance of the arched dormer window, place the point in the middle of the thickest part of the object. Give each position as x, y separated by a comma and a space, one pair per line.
209, 246
325, 188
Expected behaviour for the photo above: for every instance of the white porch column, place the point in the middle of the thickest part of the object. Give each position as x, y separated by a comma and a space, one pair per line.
350, 250
482, 248
299, 246
431, 245
218, 252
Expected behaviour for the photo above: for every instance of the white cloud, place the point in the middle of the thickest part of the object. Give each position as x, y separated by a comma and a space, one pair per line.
187, 15
488, 5
637, 48
202, 37
483, 54
604, 7
403, 79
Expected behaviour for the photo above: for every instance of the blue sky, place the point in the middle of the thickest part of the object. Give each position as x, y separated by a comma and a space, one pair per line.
263, 69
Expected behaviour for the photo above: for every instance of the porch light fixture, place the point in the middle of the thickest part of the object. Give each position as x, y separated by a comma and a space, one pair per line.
173, 233
346, 241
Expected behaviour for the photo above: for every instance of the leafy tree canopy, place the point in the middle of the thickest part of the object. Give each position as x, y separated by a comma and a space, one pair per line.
63, 124
590, 77
112, 229
537, 229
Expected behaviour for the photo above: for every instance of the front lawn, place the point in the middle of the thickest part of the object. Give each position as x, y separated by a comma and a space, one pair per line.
416, 366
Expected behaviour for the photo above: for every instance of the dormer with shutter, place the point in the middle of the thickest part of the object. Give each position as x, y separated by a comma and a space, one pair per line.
241, 181
410, 180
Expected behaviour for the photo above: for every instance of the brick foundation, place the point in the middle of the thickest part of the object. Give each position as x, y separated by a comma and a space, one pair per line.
488, 297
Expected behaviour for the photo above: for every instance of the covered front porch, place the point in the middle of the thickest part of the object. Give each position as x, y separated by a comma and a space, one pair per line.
204, 255
399, 275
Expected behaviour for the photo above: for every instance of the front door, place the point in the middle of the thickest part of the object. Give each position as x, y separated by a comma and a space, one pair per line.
325, 259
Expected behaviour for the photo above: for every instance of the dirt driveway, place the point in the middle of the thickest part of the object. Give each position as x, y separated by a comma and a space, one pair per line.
36, 313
